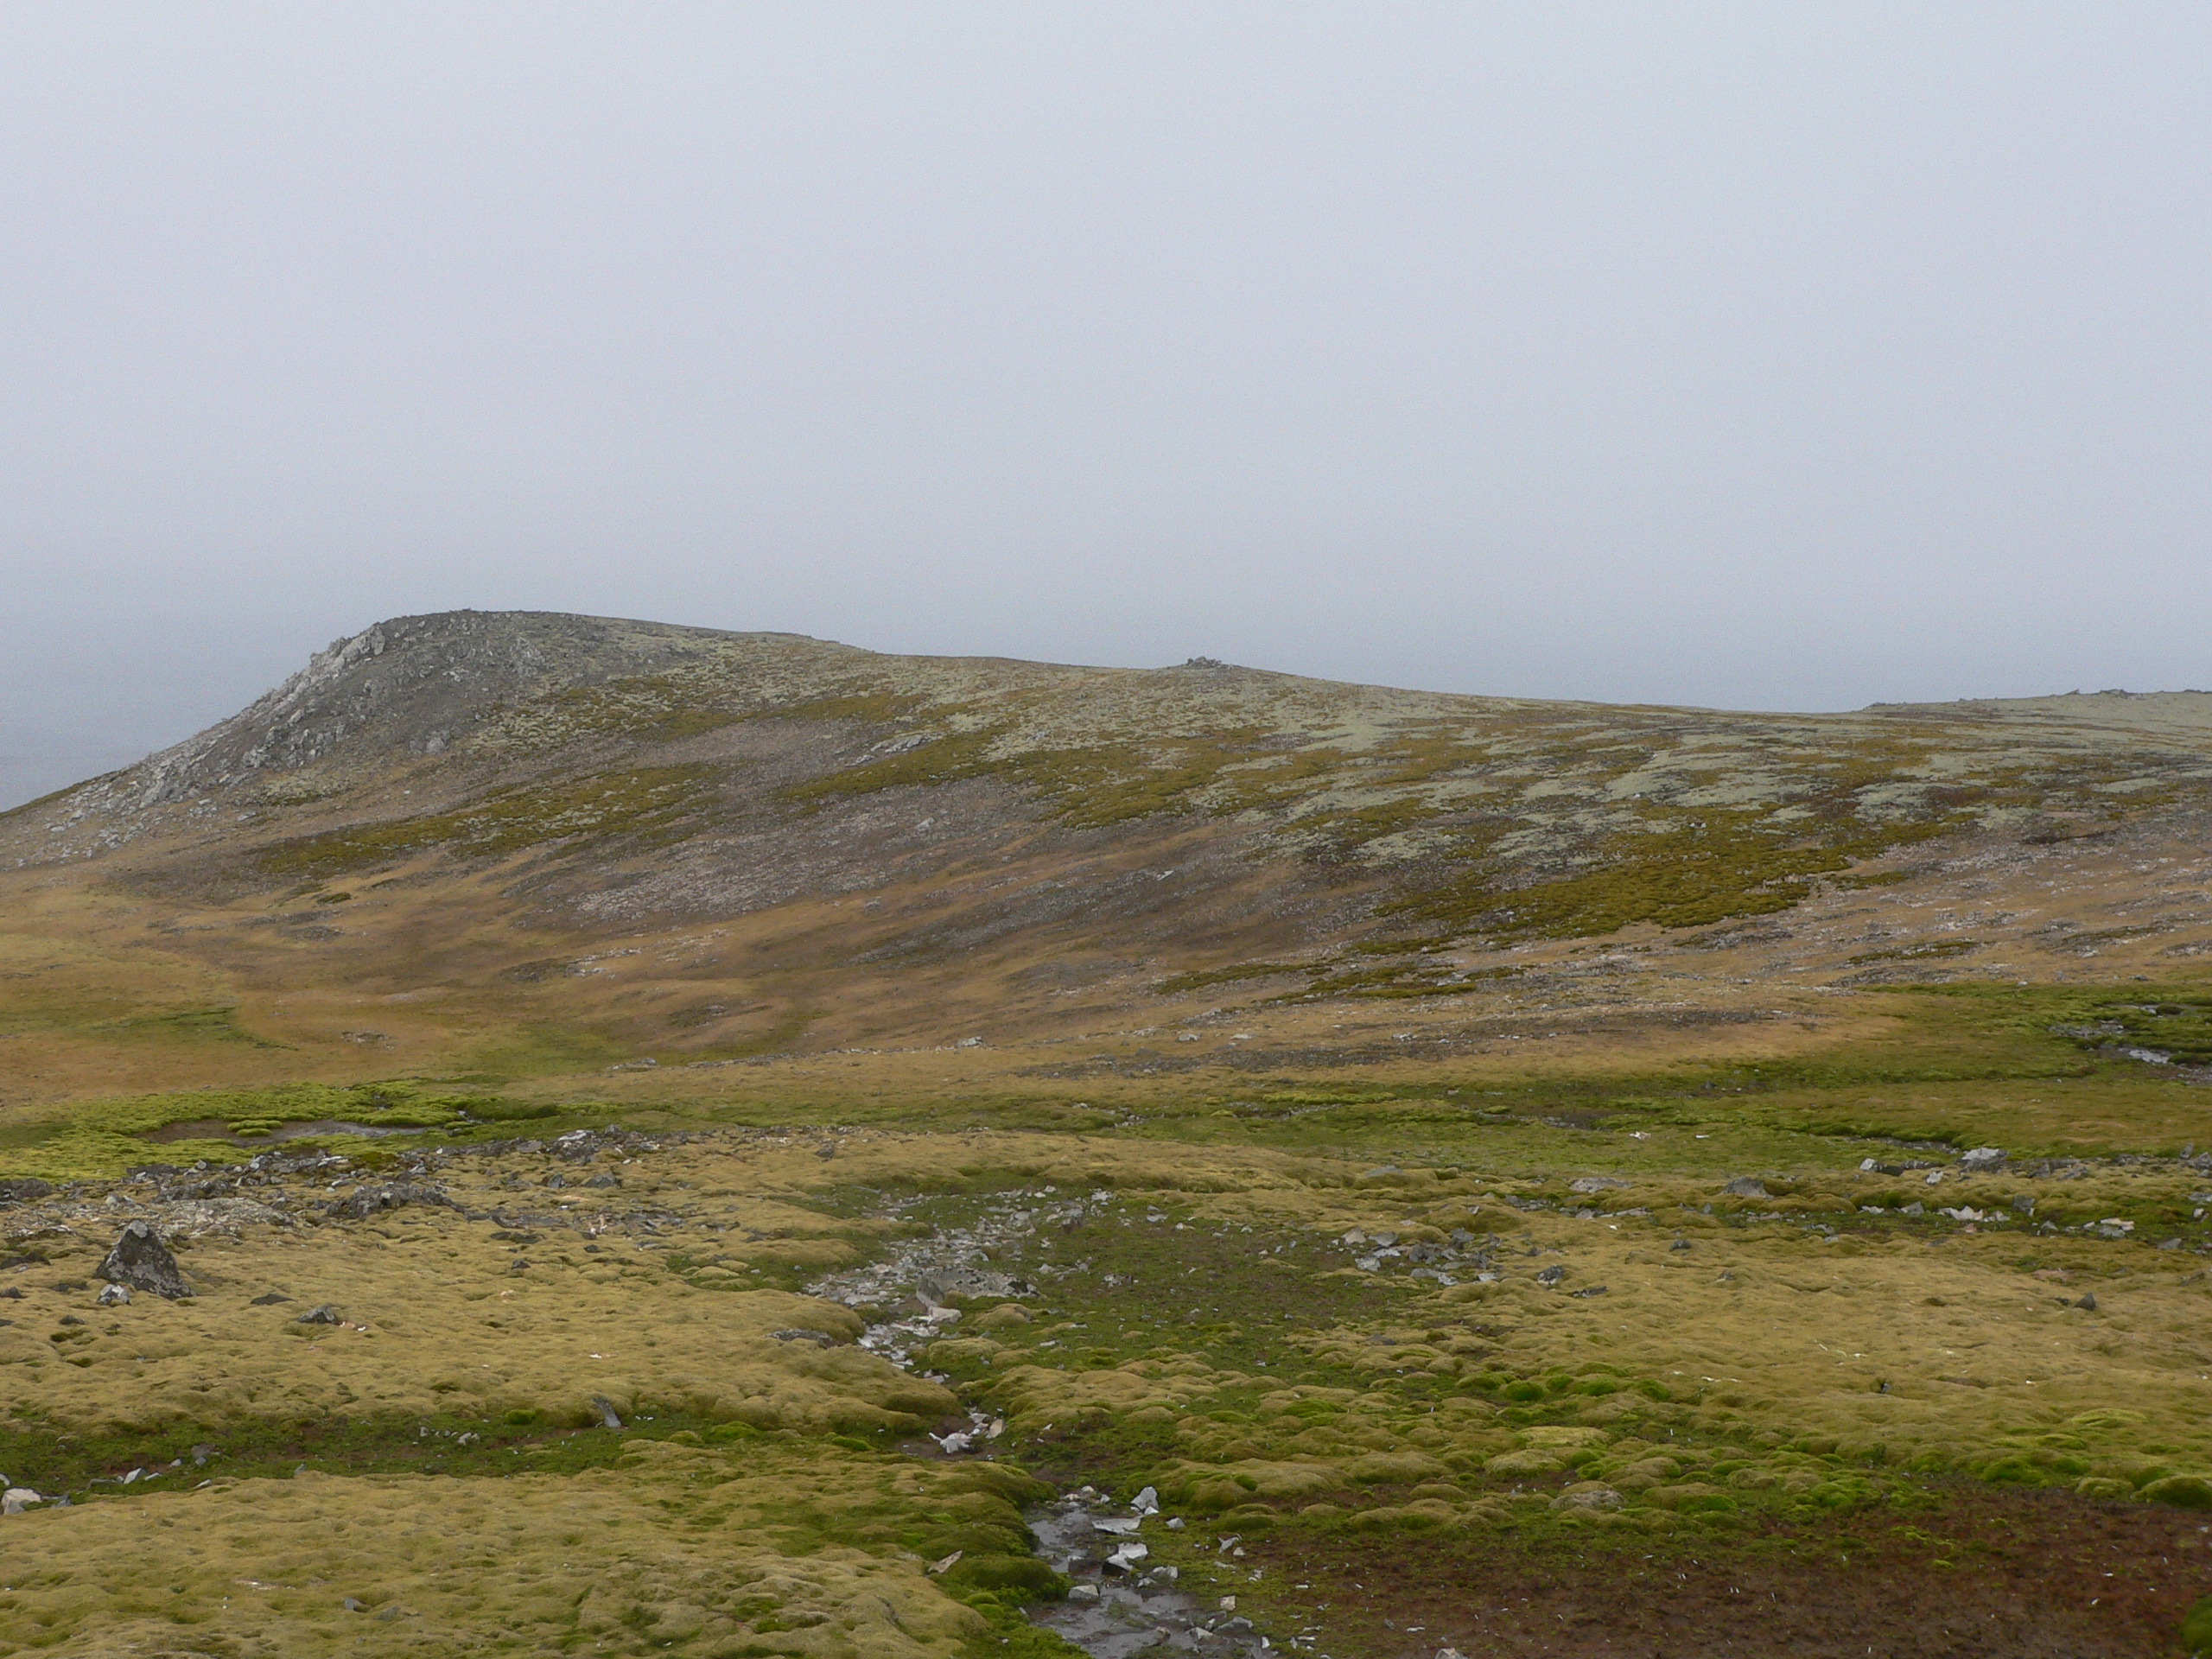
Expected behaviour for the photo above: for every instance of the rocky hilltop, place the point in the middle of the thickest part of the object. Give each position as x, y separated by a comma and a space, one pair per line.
404, 687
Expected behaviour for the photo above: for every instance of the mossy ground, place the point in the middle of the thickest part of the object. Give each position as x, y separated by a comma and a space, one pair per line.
786, 1548
1816, 1363
1822, 1365
641, 805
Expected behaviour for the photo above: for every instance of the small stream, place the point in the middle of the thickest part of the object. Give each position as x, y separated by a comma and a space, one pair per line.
1120, 1604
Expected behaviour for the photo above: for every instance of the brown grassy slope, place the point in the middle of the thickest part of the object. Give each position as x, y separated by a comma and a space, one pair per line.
518, 843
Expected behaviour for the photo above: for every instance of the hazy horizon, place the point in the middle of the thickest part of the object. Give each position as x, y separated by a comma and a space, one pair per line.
1718, 356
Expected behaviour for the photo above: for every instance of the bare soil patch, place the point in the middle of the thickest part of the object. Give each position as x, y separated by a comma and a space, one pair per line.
1982, 1571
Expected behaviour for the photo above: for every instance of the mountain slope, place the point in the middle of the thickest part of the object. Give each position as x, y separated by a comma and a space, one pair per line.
639, 839
473, 737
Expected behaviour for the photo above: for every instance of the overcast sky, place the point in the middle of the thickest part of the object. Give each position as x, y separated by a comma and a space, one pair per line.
1771, 356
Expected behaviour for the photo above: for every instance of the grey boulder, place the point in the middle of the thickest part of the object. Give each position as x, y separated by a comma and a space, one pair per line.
140, 1259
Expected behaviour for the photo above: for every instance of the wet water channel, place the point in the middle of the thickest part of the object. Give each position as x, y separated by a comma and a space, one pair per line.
1123, 1602
1120, 1604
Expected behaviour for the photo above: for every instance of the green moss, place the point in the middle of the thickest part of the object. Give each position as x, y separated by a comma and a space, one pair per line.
941, 760
1410, 978
2196, 1627
1011, 1635
867, 708
539, 1050
654, 708
207, 1025
1401, 980
645, 806
2183, 1492
489, 1110
104, 1136
1205, 978
1344, 833
1686, 870
1931, 950
83, 1462
2173, 1021
1089, 785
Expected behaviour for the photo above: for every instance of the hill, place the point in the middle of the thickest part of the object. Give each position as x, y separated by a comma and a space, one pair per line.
649, 842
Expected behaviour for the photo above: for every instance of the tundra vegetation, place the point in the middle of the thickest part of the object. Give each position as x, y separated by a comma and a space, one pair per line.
686, 1142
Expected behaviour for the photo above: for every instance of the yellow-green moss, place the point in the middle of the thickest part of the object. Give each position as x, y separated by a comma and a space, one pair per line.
646, 805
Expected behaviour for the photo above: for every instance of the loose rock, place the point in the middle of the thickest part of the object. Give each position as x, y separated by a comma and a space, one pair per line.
1588, 1495
381, 1196
139, 1259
